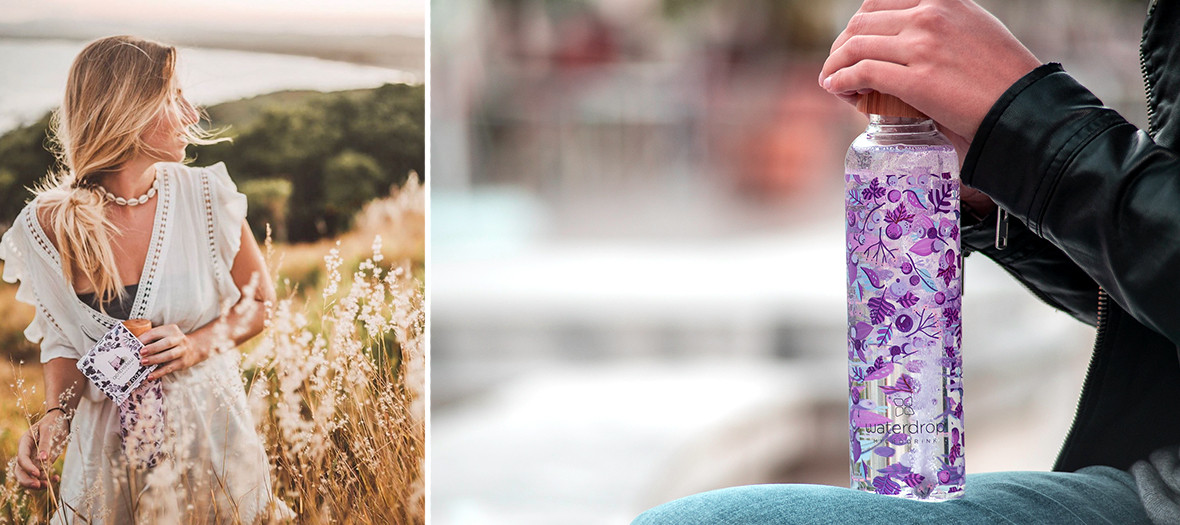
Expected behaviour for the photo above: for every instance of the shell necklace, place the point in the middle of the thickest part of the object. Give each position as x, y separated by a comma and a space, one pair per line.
137, 200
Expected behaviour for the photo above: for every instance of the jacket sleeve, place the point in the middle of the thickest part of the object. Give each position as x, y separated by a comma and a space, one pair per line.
1084, 179
1039, 265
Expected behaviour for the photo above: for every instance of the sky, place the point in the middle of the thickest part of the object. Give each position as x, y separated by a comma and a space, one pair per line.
368, 16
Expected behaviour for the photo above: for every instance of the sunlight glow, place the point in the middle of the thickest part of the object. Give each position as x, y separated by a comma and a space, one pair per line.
369, 16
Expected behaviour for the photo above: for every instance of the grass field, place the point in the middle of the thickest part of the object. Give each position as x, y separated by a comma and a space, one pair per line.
335, 381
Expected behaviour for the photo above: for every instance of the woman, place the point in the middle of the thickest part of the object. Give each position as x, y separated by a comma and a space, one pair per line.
127, 231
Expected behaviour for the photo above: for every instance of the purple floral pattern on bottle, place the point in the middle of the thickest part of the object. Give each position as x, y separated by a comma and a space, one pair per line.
142, 424
904, 333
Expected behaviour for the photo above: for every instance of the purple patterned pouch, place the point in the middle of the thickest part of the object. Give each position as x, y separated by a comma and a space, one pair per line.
113, 366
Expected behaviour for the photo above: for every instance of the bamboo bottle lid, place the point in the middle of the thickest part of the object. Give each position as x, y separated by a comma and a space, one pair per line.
875, 103
138, 326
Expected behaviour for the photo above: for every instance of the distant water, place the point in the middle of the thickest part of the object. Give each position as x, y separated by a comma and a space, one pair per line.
35, 71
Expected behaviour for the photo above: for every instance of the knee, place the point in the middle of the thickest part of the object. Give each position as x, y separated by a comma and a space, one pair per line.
706, 507
748, 504
684, 511
653, 516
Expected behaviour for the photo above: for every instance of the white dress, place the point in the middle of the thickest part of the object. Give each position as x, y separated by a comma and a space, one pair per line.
217, 464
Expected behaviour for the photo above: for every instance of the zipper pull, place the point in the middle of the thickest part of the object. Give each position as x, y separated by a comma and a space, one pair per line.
1001, 228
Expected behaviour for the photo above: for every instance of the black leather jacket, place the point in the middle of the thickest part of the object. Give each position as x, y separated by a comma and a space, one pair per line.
1098, 236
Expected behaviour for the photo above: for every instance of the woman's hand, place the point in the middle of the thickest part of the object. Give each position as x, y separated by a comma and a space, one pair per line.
170, 348
39, 448
950, 59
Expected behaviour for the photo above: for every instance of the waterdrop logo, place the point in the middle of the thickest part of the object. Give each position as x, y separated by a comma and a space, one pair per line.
902, 406
907, 428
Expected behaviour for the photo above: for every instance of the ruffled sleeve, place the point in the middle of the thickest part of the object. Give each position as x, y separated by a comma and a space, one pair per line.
229, 210
22, 267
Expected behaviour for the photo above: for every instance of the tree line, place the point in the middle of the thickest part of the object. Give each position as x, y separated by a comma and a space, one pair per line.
307, 161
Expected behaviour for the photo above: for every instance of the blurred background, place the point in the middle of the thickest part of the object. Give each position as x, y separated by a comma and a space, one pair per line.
326, 104
637, 254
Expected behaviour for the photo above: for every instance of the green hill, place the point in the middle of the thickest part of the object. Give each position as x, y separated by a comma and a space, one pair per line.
306, 160
245, 112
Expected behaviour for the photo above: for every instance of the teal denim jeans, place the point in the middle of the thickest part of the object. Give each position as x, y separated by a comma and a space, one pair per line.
1090, 495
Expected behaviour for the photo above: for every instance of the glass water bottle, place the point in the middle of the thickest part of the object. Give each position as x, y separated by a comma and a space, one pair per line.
904, 282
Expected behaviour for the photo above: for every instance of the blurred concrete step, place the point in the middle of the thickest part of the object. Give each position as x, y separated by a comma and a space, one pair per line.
600, 444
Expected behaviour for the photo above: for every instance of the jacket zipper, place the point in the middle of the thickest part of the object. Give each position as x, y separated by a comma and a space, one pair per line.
1149, 87
1103, 297
1095, 356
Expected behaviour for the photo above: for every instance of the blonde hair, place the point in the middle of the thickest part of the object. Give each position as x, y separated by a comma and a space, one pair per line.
117, 87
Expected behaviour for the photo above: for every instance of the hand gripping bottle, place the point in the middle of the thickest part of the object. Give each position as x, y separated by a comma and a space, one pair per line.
905, 391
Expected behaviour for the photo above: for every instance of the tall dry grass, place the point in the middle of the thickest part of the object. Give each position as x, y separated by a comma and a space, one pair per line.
335, 381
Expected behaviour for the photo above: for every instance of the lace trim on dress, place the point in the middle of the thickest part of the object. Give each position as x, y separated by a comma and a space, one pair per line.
34, 227
210, 230
147, 281
42, 241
